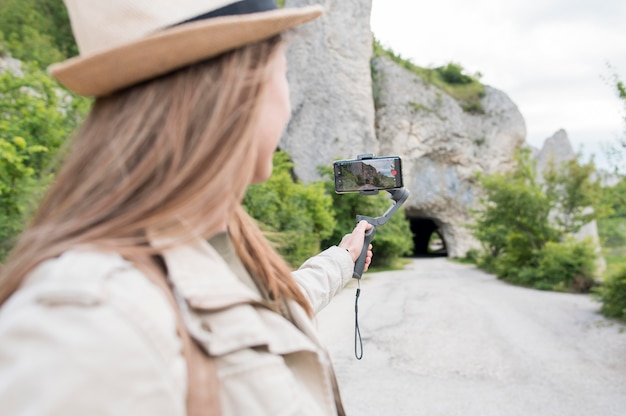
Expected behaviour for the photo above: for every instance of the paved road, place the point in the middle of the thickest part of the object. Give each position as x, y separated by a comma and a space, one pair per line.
441, 338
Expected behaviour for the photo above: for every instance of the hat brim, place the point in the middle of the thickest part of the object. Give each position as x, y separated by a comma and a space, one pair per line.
105, 72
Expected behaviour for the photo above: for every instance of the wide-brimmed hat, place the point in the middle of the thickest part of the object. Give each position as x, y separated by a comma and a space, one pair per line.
123, 42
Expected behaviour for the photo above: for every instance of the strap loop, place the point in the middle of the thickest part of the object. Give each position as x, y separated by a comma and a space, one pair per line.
358, 341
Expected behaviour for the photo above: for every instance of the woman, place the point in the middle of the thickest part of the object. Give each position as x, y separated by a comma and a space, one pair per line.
113, 301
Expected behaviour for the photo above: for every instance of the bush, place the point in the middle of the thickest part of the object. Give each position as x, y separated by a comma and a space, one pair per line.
514, 218
18, 181
453, 74
523, 226
37, 117
612, 294
37, 31
472, 256
490, 264
297, 217
473, 107
567, 266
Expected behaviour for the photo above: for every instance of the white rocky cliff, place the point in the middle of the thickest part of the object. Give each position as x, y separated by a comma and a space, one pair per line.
331, 93
556, 150
441, 145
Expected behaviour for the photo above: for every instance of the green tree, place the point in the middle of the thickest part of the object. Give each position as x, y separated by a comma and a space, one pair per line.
574, 196
612, 294
18, 180
568, 265
36, 119
616, 153
612, 229
36, 31
614, 199
524, 224
297, 217
515, 212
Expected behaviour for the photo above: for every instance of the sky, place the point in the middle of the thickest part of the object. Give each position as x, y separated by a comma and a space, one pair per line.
554, 58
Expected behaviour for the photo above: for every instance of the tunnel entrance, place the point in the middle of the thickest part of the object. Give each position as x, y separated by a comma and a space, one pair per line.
428, 238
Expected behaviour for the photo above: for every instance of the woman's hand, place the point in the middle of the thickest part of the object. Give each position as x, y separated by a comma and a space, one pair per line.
353, 242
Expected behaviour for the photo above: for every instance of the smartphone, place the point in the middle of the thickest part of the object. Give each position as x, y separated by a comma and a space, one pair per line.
368, 175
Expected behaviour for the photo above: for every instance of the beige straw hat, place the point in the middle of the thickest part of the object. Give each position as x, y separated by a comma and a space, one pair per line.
123, 42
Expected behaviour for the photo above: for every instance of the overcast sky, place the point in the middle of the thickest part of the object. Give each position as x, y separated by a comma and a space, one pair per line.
550, 56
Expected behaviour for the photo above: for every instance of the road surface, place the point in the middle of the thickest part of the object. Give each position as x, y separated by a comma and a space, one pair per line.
441, 338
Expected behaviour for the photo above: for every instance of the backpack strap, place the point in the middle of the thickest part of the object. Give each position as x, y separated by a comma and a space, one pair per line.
202, 381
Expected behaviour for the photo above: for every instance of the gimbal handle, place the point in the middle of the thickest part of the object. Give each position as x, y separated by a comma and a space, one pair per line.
399, 196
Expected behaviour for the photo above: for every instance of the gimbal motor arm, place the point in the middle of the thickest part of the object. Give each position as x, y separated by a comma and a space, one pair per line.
399, 196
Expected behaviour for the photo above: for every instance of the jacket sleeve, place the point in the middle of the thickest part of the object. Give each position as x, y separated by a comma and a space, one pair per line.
323, 276
78, 359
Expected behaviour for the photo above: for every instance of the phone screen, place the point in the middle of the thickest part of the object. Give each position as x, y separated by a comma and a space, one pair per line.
364, 175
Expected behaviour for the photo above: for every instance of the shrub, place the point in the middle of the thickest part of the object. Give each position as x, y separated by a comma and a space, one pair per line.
514, 214
490, 264
568, 266
37, 30
472, 256
295, 216
612, 294
36, 119
453, 74
523, 226
473, 107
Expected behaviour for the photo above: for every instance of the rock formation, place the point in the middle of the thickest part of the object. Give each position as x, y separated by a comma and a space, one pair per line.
331, 93
441, 145
556, 150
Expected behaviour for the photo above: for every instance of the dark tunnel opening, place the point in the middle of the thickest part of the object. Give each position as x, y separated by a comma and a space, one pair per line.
428, 238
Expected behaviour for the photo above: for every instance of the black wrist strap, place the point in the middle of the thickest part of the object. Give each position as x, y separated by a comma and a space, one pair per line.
358, 341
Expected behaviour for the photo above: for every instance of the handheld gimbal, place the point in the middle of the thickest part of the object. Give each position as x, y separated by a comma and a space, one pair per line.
368, 175
399, 196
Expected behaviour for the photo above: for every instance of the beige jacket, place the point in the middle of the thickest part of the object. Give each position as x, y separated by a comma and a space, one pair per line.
88, 334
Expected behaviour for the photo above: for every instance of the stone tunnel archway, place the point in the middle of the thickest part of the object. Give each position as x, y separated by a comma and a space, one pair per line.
428, 239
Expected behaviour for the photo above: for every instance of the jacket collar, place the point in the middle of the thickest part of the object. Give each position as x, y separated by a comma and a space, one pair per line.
205, 281
202, 277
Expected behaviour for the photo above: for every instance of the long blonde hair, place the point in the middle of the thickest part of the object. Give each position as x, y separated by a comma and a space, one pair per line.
174, 150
